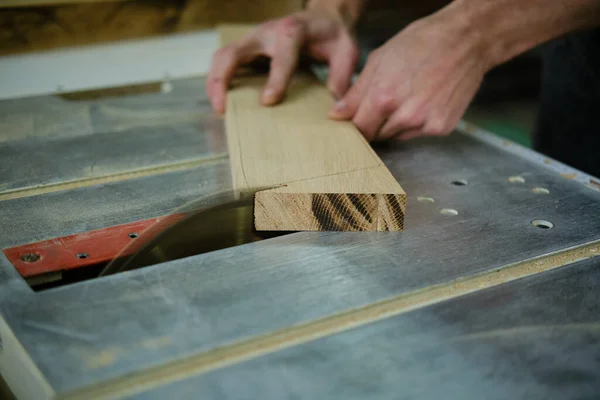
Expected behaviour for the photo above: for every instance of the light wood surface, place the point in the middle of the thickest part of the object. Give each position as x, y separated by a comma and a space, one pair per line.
18, 370
318, 174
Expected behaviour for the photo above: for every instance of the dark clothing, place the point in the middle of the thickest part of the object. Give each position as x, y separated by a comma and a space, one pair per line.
568, 125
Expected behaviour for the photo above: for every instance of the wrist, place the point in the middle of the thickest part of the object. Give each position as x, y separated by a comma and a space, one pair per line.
504, 29
453, 26
497, 34
349, 11
458, 22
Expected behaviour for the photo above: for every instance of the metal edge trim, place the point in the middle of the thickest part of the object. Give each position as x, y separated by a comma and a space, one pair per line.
553, 165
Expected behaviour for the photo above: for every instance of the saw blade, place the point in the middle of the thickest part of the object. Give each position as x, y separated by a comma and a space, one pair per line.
228, 223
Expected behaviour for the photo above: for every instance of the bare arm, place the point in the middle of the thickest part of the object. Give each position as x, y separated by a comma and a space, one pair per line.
423, 79
349, 10
507, 28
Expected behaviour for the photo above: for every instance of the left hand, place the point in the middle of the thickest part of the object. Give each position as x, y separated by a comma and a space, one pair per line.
418, 83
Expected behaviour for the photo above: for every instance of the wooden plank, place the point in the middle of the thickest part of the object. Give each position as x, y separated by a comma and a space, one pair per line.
18, 370
32, 25
32, 3
324, 175
35, 27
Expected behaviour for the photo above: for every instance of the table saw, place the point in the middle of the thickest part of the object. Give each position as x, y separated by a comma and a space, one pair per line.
491, 289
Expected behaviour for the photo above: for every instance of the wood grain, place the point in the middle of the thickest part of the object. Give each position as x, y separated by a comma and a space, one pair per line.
20, 372
33, 25
308, 171
27, 26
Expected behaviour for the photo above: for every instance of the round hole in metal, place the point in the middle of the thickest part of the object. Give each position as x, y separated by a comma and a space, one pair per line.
460, 182
133, 235
449, 212
82, 256
424, 199
542, 224
540, 190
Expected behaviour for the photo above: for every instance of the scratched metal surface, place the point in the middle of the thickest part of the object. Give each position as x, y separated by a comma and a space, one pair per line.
54, 117
118, 135
98, 330
537, 338
42, 217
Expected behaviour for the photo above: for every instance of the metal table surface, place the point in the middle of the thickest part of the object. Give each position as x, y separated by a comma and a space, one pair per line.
537, 338
72, 166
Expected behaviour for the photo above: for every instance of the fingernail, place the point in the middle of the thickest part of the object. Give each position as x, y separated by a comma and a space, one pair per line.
339, 106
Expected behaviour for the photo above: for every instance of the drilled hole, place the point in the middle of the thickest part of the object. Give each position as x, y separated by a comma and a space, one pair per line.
82, 256
460, 182
166, 87
422, 199
133, 235
516, 179
449, 212
30, 257
540, 190
542, 224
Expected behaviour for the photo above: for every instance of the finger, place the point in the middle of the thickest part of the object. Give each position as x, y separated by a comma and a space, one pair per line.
222, 69
406, 118
342, 63
409, 134
445, 116
284, 61
373, 112
346, 107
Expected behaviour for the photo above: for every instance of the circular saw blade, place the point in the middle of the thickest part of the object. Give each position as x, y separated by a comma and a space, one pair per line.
202, 229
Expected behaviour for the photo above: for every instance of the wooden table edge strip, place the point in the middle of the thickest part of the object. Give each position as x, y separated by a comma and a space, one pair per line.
217, 358
19, 371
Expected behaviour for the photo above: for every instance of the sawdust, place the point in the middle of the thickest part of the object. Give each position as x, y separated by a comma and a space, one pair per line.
104, 358
568, 176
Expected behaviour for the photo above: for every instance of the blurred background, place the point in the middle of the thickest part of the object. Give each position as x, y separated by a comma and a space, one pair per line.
506, 103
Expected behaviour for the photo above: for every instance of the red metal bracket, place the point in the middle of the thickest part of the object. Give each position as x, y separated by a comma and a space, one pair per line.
87, 248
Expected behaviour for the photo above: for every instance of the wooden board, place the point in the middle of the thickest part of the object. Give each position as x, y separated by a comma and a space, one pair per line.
324, 174
27, 26
33, 25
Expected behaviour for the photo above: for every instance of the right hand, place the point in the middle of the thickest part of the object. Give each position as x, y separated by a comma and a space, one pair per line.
319, 34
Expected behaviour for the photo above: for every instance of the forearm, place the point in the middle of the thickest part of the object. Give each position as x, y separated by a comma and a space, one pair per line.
349, 10
506, 28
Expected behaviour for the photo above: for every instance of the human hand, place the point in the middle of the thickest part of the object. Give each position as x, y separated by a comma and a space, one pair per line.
418, 83
321, 34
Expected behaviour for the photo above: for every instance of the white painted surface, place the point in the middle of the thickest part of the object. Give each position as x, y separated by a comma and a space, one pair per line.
107, 65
